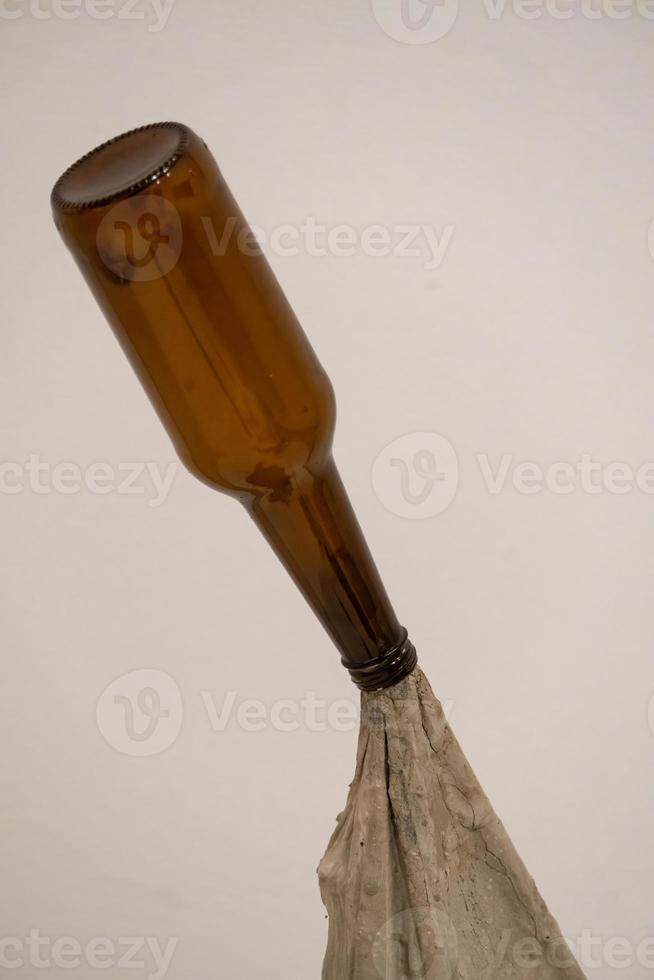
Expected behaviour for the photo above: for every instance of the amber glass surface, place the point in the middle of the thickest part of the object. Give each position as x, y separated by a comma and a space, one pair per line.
173, 265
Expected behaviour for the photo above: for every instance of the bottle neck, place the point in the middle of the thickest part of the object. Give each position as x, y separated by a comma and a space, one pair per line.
312, 528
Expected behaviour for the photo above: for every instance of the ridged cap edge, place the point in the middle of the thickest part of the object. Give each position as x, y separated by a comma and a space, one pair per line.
62, 203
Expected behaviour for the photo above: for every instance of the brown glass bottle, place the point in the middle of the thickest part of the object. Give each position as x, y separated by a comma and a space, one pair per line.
177, 272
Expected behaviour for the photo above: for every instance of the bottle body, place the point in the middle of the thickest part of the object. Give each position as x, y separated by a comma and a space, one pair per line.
207, 328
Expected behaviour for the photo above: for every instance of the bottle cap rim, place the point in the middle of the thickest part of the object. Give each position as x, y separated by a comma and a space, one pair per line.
121, 167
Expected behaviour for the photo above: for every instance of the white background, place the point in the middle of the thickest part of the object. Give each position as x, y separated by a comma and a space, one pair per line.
533, 614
